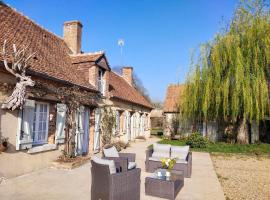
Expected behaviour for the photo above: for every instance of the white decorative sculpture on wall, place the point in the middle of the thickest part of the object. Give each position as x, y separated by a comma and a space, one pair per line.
18, 69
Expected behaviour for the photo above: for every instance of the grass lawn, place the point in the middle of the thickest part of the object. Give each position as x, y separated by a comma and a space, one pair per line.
222, 147
157, 131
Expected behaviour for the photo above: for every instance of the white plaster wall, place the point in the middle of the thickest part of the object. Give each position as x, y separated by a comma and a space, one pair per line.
119, 105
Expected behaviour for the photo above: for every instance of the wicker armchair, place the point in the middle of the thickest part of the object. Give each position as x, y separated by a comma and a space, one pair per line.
125, 160
151, 165
118, 186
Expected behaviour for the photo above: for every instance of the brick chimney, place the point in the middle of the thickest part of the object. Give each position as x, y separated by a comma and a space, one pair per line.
127, 73
73, 35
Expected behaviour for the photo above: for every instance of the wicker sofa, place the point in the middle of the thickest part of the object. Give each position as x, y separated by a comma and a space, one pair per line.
184, 162
116, 186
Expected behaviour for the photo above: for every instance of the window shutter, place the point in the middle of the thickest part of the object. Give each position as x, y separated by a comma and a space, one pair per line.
125, 123
25, 130
86, 131
79, 130
60, 123
97, 128
117, 122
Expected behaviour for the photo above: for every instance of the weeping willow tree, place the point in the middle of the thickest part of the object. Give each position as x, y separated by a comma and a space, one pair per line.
229, 80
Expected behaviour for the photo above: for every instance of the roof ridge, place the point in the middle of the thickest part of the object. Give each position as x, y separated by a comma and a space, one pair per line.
35, 23
89, 53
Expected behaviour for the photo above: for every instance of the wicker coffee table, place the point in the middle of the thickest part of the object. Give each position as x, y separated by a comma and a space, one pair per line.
162, 186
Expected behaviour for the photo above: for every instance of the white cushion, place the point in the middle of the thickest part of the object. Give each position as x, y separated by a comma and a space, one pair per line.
111, 152
154, 159
180, 152
101, 161
131, 165
161, 150
181, 161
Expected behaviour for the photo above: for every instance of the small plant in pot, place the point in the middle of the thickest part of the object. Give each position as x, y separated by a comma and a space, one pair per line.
3, 144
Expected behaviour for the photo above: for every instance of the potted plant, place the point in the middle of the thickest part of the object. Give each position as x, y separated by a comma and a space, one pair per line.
168, 163
3, 143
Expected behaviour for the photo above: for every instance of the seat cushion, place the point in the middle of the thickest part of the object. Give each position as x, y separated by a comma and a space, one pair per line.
155, 159
179, 152
101, 161
161, 150
181, 161
111, 152
131, 165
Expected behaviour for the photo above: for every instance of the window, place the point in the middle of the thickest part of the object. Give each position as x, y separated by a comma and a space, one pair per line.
101, 81
40, 123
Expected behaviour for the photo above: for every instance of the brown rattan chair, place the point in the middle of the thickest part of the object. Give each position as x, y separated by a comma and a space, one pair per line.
118, 186
125, 160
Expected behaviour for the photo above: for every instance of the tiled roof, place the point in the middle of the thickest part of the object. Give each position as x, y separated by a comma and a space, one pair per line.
156, 113
87, 57
173, 98
120, 89
90, 59
52, 54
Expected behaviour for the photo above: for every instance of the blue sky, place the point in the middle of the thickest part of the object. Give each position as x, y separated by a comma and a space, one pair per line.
159, 34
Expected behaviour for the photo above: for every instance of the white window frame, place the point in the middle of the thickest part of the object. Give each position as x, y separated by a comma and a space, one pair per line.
101, 81
45, 141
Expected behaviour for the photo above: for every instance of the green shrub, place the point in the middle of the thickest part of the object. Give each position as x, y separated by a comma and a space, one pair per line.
159, 133
196, 140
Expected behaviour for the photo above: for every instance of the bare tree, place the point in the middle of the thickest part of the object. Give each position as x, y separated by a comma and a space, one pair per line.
137, 83
157, 104
18, 69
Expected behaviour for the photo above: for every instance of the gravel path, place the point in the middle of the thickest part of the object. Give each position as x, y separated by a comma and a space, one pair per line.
242, 176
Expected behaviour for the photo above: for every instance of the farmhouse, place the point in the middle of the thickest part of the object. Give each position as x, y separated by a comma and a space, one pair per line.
60, 70
171, 109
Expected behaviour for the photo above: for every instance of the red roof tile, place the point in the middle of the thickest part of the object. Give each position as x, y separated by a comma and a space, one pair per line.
173, 98
119, 88
52, 53
87, 57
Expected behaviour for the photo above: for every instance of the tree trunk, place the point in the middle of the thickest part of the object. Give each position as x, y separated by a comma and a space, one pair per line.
242, 132
71, 133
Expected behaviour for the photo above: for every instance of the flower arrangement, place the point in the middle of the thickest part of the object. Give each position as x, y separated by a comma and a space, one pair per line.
168, 163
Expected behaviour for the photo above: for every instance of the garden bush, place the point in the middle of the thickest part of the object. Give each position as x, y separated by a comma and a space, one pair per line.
196, 140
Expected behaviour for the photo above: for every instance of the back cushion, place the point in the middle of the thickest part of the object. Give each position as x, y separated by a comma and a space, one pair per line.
179, 152
161, 150
101, 161
111, 152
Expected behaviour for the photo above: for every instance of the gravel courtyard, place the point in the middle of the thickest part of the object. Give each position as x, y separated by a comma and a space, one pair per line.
242, 176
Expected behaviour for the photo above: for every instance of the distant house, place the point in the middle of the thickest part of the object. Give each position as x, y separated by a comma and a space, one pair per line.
131, 108
172, 109
157, 120
173, 122
37, 132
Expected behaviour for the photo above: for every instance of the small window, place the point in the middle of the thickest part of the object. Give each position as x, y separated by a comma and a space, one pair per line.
40, 123
101, 81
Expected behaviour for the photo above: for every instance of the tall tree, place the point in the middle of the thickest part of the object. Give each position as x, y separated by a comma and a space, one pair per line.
230, 79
